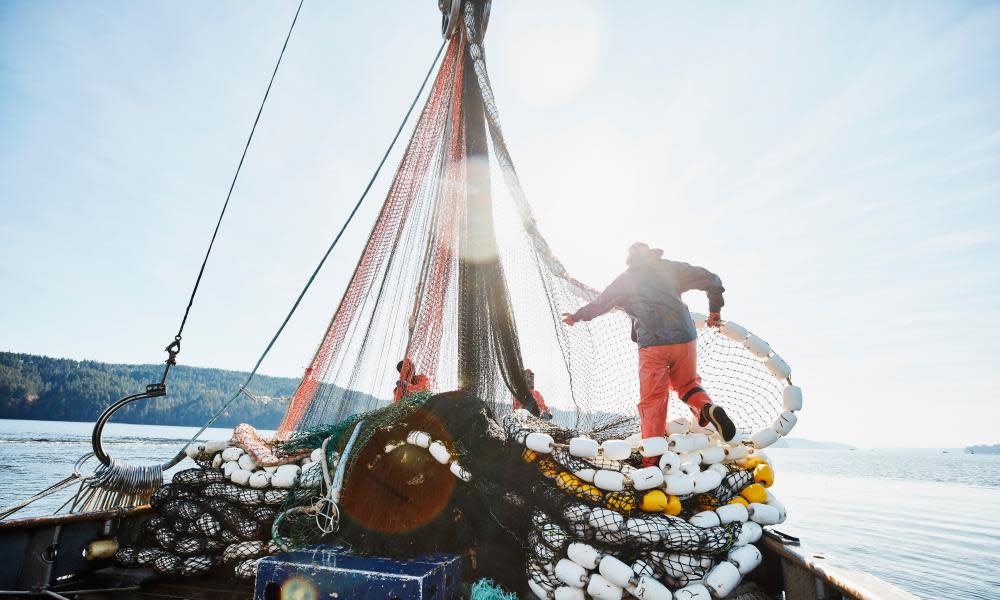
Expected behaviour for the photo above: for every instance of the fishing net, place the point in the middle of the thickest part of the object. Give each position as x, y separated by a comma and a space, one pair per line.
457, 278
519, 512
456, 270
202, 520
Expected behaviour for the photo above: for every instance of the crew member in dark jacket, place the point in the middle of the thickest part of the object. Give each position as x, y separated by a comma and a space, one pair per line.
650, 293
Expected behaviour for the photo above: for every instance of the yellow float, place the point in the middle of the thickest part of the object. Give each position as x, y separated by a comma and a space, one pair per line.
673, 506
754, 492
654, 501
620, 501
764, 475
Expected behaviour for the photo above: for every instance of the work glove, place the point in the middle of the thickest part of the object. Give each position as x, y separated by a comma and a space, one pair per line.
714, 319
568, 319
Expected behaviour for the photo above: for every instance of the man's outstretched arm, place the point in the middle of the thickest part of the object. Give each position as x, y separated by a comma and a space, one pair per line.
602, 304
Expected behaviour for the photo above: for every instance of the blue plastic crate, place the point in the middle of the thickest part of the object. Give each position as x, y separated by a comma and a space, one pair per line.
331, 572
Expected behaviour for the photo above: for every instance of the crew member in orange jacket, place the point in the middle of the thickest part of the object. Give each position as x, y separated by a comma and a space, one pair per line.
649, 291
543, 410
409, 380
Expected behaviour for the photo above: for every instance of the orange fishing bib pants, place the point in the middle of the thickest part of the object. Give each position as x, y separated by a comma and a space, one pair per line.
661, 368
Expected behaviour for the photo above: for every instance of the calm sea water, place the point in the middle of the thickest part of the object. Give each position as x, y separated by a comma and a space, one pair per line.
925, 520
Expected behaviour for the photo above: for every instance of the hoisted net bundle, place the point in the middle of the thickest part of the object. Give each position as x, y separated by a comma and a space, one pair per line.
457, 277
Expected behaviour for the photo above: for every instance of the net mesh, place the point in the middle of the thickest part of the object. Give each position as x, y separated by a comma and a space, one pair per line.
202, 521
454, 272
455, 268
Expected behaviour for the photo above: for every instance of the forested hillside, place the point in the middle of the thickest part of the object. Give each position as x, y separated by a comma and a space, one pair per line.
39, 387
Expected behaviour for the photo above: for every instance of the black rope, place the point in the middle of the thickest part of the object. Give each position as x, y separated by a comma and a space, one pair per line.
175, 346
319, 267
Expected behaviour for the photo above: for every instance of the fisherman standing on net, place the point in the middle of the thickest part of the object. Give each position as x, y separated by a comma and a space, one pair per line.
649, 291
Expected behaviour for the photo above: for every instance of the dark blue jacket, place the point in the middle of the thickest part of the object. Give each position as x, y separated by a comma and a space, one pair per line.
650, 293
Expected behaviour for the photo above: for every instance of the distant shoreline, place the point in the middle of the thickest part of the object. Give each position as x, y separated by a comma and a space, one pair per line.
42, 388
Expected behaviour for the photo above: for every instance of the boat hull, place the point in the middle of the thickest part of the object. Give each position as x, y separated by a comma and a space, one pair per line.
48, 553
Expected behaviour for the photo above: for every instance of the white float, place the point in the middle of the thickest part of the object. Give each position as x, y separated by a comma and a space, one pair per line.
719, 468
687, 442
791, 397
607, 521
764, 438
565, 592
648, 588
215, 446
616, 449
778, 367
643, 568
678, 425
785, 422
584, 447
571, 573
439, 452
457, 470
712, 455
600, 588
680, 564
584, 555
539, 442
705, 519
695, 591
732, 513
654, 446
647, 530
754, 532
646, 478
745, 558
679, 485
722, 579
240, 476
611, 481
232, 453
764, 514
538, 590
615, 571
669, 463
757, 346
229, 467
706, 481
283, 479
690, 468
586, 474
292, 470
247, 462
415, 438
734, 331
736, 452
260, 479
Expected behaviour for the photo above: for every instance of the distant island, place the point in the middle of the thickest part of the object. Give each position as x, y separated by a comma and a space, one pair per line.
59, 389
993, 449
804, 444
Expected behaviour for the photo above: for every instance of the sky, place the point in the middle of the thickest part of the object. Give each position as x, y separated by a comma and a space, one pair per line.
838, 164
